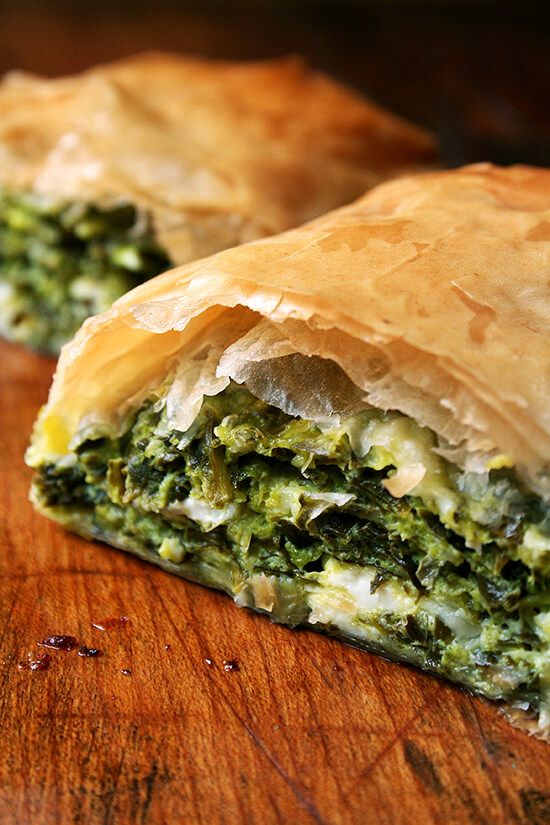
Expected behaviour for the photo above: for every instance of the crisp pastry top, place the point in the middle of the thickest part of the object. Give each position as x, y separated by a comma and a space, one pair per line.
243, 149
431, 292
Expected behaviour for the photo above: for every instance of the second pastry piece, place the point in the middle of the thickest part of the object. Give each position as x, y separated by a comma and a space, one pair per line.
111, 176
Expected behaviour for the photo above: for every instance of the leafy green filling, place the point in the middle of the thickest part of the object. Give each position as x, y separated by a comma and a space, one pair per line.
63, 261
278, 496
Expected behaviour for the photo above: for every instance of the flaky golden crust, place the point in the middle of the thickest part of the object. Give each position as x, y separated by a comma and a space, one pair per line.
432, 292
219, 153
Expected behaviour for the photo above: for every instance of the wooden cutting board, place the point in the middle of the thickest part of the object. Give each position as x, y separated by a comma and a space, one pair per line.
307, 730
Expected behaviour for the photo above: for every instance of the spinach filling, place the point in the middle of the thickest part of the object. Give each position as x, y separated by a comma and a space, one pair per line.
63, 261
462, 591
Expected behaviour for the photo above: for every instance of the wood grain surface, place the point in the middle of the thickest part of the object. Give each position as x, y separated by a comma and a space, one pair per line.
306, 731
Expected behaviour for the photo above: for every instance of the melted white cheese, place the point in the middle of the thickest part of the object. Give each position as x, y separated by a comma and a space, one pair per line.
344, 600
342, 597
171, 550
204, 514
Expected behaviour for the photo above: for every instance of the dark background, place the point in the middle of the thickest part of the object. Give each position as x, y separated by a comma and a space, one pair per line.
477, 73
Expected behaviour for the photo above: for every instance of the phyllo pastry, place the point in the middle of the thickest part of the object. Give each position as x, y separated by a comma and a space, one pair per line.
109, 177
345, 426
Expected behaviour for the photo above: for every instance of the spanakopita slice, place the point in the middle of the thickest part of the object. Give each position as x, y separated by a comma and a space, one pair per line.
108, 177
346, 426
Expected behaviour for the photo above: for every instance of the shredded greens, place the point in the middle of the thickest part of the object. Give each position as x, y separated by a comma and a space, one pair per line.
63, 261
453, 577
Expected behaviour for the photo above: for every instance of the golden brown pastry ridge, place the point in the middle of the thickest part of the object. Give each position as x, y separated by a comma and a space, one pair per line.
431, 292
218, 153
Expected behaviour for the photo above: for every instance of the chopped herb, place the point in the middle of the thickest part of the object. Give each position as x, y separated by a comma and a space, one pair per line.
63, 261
